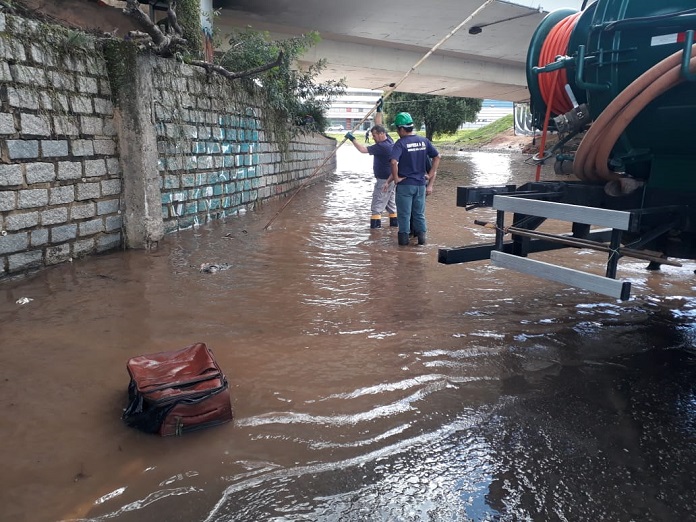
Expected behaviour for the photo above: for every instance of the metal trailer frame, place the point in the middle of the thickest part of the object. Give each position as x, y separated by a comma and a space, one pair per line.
584, 205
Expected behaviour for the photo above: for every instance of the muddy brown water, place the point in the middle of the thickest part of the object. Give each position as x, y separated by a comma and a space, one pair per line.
369, 382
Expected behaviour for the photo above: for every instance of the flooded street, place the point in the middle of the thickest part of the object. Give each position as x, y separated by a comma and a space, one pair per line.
368, 381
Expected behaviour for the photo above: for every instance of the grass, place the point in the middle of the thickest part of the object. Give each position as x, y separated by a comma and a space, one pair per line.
468, 137
475, 137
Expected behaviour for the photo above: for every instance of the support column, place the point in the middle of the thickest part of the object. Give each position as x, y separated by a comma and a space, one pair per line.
137, 140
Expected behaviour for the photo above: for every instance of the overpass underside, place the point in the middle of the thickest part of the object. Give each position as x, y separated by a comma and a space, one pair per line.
372, 45
442, 74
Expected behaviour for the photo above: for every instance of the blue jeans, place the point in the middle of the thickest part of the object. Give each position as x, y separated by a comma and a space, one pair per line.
410, 200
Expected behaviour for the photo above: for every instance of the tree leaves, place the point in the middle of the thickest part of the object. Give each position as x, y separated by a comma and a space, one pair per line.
439, 114
292, 92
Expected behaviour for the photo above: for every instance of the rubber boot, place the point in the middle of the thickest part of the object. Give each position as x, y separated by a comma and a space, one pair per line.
376, 221
403, 238
421, 238
392, 220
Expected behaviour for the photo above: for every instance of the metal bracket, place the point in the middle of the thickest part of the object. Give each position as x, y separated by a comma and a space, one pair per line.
686, 57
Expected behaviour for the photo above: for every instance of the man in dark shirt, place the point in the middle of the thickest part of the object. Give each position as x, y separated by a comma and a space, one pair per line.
381, 152
413, 176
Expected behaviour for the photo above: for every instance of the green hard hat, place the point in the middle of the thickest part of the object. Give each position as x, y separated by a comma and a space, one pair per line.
403, 119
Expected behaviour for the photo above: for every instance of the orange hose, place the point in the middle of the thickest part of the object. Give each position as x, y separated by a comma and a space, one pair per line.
552, 86
591, 162
542, 146
592, 157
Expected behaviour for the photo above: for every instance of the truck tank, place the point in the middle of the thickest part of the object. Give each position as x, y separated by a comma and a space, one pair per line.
620, 75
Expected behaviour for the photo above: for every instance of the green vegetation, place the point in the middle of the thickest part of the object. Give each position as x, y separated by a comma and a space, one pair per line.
188, 13
441, 115
120, 57
462, 138
476, 137
297, 100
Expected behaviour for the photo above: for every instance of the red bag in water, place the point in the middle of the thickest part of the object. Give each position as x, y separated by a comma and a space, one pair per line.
171, 393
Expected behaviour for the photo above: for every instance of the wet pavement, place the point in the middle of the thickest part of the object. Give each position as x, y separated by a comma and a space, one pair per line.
368, 382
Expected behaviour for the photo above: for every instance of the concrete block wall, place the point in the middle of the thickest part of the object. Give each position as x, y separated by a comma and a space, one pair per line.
60, 180
215, 158
82, 173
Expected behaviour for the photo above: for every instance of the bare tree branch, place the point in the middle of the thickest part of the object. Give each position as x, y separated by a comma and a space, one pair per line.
8, 6
133, 9
232, 76
173, 20
139, 35
161, 42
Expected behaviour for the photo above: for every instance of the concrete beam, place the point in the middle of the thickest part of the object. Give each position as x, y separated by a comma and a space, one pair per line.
371, 45
443, 73
137, 140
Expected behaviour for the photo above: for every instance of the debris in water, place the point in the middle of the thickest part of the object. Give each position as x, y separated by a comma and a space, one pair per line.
80, 475
24, 300
211, 268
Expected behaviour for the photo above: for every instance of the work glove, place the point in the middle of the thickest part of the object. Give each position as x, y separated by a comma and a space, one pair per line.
349, 136
380, 103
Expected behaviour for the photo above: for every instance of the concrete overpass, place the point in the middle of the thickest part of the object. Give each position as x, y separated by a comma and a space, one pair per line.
372, 44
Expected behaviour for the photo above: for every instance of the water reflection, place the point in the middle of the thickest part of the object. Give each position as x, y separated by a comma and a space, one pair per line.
368, 381
488, 168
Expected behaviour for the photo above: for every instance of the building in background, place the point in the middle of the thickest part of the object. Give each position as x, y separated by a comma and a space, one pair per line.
349, 111
491, 110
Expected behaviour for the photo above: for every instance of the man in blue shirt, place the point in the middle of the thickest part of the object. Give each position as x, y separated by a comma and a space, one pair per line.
413, 177
381, 152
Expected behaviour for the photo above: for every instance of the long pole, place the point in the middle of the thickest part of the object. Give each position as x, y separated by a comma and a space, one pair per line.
392, 88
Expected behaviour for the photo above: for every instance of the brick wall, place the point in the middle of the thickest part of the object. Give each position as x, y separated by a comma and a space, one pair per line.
61, 178
59, 173
214, 156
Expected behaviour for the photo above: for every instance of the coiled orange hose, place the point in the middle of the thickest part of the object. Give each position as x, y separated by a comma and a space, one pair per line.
552, 86
591, 162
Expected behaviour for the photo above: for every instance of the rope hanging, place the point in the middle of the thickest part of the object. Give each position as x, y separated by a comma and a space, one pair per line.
393, 88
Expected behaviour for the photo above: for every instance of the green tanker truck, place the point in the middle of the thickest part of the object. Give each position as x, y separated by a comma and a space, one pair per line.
619, 77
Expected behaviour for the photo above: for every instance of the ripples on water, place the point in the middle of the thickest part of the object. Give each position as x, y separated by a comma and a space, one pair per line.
368, 381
